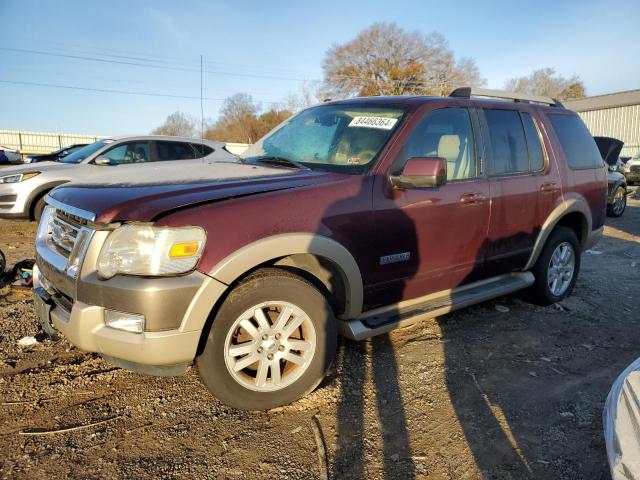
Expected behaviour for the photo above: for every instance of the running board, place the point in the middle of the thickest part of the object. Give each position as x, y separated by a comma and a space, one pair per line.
384, 319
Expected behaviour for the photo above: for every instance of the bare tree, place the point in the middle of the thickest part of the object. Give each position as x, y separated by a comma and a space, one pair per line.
302, 98
240, 120
177, 124
385, 59
546, 82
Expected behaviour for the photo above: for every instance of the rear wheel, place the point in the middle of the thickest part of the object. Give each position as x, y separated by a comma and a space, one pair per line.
617, 207
557, 268
271, 342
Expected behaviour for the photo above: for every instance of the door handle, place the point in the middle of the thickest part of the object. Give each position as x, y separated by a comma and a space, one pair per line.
549, 187
472, 198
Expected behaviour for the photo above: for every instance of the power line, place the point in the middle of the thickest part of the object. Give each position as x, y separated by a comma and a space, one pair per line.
151, 57
161, 67
120, 92
415, 83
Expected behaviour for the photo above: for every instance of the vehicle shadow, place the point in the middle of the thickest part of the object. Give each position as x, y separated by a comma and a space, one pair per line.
528, 385
354, 437
357, 436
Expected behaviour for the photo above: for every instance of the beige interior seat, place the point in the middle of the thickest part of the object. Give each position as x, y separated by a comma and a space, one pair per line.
454, 151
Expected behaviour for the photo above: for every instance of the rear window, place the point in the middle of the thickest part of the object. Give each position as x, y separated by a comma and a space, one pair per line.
175, 151
201, 150
533, 143
577, 143
508, 144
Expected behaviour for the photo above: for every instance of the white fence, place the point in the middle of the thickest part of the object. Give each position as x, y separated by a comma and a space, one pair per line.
41, 142
237, 148
45, 142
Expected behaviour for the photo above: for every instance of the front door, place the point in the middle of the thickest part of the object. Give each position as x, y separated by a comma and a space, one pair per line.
432, 239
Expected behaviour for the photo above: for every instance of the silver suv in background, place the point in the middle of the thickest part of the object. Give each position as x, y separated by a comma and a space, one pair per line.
110, 160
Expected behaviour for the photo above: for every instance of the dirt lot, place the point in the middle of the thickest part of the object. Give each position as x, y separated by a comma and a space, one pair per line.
482, 393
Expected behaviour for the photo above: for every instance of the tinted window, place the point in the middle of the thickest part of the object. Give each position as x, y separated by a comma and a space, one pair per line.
579, 147
201, 150
132, 152
534, 146
175, 151
508, 145
84, 152
444, 133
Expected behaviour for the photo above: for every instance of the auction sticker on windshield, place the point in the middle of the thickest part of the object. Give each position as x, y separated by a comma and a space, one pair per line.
373, 122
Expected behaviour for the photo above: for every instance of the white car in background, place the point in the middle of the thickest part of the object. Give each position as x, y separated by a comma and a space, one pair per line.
143, 159
9, 156
631, 170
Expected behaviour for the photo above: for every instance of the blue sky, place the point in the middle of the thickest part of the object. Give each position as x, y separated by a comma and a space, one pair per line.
268, 49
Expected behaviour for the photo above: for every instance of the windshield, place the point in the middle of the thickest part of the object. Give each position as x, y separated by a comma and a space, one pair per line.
337, 138
84, 152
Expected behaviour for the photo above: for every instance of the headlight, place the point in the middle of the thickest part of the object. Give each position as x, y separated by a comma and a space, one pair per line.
18, 177
150, 251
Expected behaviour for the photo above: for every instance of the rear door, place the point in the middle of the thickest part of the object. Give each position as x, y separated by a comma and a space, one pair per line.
176, 154
523, 186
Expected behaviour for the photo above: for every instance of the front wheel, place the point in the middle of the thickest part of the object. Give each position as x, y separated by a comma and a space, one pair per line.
617, 207
271, 342
38, 209
557, 268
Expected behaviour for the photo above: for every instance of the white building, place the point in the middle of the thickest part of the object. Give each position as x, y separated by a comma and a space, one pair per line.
614, 115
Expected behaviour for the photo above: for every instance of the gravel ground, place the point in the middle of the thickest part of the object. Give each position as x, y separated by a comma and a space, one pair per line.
501, 390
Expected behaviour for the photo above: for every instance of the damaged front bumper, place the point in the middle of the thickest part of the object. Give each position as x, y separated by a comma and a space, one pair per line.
76, 303
157, 353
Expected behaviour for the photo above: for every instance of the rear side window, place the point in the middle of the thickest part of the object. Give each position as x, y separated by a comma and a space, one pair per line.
579, 147
536, 157
508, 144
175, 151
201, 150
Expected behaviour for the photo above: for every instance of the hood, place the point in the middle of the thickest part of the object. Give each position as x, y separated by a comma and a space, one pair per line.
610, 149
145, 201
38, 167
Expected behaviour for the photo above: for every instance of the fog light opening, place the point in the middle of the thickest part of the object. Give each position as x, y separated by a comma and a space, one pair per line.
128, 322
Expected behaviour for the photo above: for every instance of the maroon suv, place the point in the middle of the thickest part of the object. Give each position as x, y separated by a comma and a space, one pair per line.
353, 217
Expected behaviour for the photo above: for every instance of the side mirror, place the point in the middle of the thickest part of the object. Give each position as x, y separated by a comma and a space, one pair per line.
102, 160
421, 172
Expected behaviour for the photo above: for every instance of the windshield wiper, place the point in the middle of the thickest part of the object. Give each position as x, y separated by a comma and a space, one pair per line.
285, 162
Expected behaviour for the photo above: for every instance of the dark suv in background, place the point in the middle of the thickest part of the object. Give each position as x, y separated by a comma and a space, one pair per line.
353, 217
56, 155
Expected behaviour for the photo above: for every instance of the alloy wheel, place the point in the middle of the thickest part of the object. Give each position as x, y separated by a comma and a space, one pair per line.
619, 201
561, 269
270, 346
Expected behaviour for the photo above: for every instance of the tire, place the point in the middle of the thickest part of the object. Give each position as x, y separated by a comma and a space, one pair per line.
541, 291
38, 209
617, 207
273, 292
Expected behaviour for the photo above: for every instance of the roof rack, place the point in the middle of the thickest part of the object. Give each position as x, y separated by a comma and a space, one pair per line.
468, 92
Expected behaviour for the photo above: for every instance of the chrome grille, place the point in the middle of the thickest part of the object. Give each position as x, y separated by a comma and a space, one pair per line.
63, 233
62, 240
635, 168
